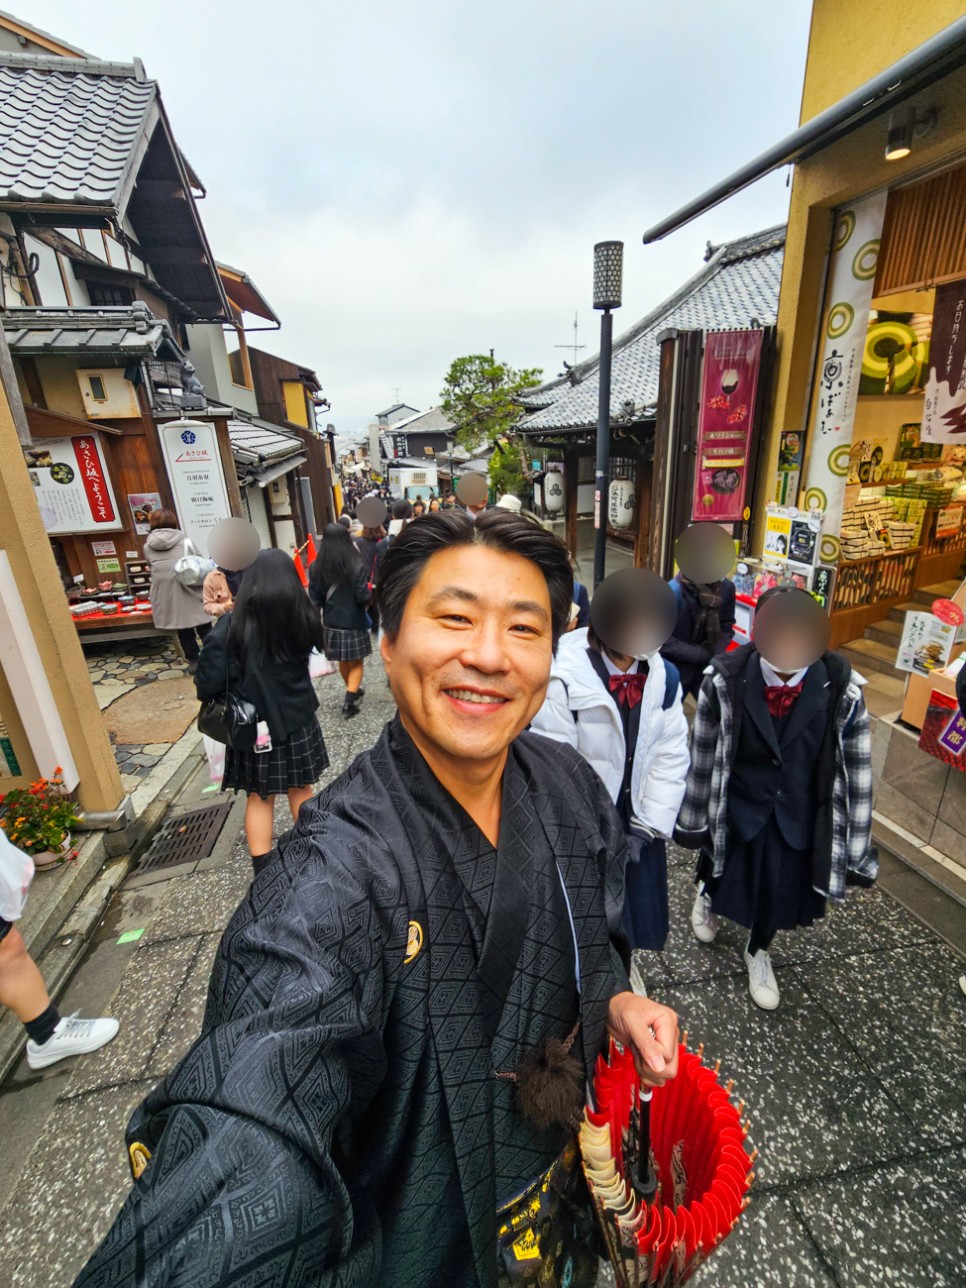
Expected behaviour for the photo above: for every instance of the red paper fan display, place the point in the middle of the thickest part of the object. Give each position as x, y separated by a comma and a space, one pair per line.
668, 1170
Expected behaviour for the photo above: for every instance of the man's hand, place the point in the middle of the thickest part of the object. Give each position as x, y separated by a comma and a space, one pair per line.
648, 1029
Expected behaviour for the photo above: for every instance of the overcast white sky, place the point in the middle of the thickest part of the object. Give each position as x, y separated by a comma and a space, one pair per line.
408, 182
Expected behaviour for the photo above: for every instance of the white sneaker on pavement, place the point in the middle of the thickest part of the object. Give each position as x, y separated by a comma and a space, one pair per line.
72, 1036
762, 984
703, 921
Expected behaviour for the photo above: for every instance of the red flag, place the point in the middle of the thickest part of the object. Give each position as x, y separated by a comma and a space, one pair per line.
311, 551
300, 569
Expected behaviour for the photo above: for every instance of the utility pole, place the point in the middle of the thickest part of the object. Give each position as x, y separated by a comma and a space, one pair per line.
574, 346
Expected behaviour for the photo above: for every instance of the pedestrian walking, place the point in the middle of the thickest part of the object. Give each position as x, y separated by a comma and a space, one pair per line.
624, 717
51, 1037
174, 607
339, 586
779, 797
233, 544
260, 652
408, 1006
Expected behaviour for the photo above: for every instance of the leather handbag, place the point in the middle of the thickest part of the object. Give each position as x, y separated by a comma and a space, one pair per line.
230, 719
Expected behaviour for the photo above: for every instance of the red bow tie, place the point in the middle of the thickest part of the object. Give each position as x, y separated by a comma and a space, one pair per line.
628, 688
781, 698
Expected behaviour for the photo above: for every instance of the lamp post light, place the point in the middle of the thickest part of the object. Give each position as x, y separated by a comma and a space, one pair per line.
608, 275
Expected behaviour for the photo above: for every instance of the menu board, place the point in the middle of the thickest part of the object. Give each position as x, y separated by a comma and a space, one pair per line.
71, 484
729, 384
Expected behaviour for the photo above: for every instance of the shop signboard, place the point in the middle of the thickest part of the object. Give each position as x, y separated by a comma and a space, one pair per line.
851, 279
193, 462
949, 520
790, 447
71, 485
729, 384
778, 532
944, 405
925, 644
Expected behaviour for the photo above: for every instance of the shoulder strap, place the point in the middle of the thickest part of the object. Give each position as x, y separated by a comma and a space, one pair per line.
672, 682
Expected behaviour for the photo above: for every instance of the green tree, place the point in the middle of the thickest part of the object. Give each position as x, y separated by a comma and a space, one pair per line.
480, 397
508, 470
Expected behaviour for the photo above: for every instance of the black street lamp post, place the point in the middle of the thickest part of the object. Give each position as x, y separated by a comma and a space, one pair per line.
608, 274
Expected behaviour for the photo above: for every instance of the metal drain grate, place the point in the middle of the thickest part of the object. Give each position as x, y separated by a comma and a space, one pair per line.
187, 838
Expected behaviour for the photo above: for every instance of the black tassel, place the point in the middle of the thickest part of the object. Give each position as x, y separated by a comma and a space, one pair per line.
550, 1085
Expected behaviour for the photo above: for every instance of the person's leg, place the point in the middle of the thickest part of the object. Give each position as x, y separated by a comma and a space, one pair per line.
259, 824
297, 796
204, 630
762, 984
189, 643
22, 988
352, 674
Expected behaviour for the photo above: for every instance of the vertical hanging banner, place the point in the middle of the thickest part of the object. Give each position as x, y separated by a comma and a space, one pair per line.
851, 279
193, 462
729, 383
944, 406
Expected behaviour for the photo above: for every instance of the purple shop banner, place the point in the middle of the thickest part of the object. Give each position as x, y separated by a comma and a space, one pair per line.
953, 737
944, 405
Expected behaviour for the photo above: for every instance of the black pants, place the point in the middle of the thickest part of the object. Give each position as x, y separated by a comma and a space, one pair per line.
191, 639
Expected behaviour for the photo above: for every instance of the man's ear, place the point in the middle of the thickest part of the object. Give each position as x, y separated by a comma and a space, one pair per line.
385, 650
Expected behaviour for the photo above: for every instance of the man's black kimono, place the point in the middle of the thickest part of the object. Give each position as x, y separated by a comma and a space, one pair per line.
340, 1121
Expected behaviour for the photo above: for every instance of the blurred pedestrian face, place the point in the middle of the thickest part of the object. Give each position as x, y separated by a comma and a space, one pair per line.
470, 665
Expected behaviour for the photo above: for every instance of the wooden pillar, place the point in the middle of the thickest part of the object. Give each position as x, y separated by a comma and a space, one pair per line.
642, 506
34, 570
571, 470
228, 466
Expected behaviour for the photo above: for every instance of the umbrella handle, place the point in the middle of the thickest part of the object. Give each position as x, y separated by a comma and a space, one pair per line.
643, 1178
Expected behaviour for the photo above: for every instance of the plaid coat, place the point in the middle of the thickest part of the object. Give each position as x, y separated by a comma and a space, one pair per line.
703, 819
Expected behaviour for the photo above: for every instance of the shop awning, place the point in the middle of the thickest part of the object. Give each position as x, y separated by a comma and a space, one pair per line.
265, 476
934, 58
262, 451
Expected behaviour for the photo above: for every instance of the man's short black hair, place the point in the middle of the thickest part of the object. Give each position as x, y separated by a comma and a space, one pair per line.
402, 510
497, 530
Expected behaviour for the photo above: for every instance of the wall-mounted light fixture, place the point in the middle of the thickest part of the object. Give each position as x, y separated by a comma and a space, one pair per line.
905, 126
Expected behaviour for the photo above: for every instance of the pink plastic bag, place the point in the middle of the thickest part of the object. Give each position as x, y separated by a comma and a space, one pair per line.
319, 665
16, 874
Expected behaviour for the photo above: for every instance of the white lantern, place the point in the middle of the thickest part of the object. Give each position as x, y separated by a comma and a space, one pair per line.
553, 490
620, 508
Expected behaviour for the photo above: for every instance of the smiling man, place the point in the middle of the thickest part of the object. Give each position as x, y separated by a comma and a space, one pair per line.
406, 1009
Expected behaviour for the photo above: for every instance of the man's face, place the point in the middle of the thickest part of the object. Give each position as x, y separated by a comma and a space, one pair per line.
470, 666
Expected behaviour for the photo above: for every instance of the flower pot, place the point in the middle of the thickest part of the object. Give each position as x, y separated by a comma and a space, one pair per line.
48, 859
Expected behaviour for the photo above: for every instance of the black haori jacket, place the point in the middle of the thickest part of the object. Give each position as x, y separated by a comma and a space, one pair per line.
333, 1125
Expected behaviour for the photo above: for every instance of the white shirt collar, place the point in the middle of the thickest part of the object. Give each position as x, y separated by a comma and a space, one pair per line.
771, 676
613, 669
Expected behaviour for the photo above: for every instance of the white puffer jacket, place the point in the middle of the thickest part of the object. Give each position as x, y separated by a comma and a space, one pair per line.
580, 711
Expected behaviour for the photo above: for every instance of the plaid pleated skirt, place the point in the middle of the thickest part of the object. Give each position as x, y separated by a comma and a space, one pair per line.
347, 646
299, 761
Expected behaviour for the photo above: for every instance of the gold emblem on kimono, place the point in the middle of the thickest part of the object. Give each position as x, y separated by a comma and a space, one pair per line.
414, 943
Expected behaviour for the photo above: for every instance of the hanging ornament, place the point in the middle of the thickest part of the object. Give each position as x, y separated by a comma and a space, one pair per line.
620, 508
553, 490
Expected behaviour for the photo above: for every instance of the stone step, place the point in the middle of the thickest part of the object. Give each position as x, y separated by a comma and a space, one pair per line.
943, 590
898, 614
869, 655
885, 632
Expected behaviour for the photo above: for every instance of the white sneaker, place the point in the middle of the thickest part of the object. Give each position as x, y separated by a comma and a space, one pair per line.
71, 1037
703, 921
762, 984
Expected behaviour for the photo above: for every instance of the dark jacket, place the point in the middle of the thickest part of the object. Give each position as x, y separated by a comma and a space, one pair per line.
582, 600
281, 692
370, 556
345, 608
332, 1127
689, 656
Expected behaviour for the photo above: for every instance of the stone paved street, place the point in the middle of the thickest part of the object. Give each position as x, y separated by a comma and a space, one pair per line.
856, 1086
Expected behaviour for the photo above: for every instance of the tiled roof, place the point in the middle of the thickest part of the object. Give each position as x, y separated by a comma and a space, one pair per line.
423, 422
70, 128
259, 442
126, 329
740, 282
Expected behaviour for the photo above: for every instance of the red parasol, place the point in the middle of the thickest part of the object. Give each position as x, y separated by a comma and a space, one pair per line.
668, 1170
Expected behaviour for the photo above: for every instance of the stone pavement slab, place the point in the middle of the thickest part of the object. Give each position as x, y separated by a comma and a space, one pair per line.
904, 1224
816, 1107
67, 1194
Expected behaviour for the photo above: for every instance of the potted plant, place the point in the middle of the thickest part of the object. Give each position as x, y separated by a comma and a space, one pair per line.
38, 820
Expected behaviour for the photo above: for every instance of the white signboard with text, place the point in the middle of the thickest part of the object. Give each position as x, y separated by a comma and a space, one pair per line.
71, 485
193, 462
